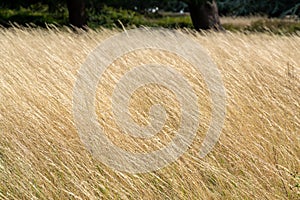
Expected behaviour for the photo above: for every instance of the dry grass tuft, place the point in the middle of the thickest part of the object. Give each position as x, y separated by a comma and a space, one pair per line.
257, 156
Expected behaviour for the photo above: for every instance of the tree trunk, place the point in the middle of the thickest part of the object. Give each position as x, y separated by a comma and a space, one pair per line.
205, 15
77, 15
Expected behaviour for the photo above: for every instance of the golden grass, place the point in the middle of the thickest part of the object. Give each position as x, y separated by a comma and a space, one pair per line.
42, 157
248, 20
241, 21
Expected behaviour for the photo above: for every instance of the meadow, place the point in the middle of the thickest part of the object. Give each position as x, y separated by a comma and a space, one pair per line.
256, 157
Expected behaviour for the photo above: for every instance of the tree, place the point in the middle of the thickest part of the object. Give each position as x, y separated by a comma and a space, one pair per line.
204, 14
77, 15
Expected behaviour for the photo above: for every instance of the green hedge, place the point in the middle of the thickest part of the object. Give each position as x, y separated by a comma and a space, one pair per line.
109, 17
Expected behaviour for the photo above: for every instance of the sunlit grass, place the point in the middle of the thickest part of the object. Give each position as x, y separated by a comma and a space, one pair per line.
42, 157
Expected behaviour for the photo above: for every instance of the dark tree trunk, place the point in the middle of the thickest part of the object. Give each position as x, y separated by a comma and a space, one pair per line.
77, 15
205, 15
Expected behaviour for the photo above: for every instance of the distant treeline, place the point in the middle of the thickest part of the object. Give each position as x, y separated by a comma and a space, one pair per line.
271, 8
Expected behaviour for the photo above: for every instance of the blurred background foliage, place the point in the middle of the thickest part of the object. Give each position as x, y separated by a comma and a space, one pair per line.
165, 13
271, 8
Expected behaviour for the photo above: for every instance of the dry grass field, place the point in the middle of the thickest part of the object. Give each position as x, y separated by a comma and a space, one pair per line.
42, 157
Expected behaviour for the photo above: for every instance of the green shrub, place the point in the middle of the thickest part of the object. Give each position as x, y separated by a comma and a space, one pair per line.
37, 14
111, 17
